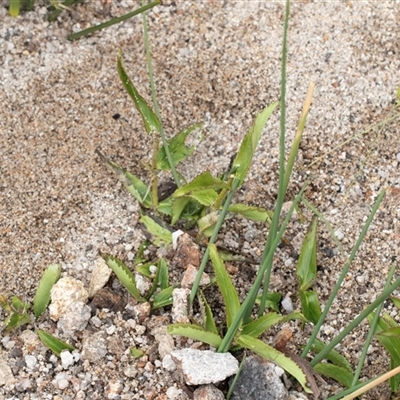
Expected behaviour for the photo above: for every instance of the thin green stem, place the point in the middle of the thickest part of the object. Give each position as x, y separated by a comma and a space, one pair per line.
112, 21
249, 300
371, 332
221, 218
342, 276
379, 300
155, 101
281, 185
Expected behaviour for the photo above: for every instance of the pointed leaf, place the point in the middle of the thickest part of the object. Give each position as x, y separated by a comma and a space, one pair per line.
124, 275
242, 162
208, 317
15, 320
335, 372
18, 305
207, 223
54, 344
307, 265
396, 301
273, 299
228, 291
250, 212
42, 297
390, 343
310, 305
260, 325
135, 186
177, 149
150, 120
195, 332
275, 356
178, 205
333, 356
390, 332
162, 299
201, 182
161, 236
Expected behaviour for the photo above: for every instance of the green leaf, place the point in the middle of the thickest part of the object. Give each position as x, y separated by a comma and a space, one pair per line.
390, 343
4, 304
42, 297
310, 305
275, 356
19, 305
273, 299
144, 269
195, 332
178, 205
335, 372
136, 353
15, 320
396, 301
207, 223
199, 183
124, 275
242, 162
165, 206
135, 186
163, 278
208, 317
150, 120
161, 236
177, 148
54, 344
231, 298
250, 212
307, 265
260, 325
390, 332
163, 298
333, 356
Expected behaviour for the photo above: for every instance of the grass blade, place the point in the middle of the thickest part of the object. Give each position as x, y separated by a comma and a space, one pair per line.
195, 332
112, 21
231, 298
124, 275
54, 344
150, 120
269, 353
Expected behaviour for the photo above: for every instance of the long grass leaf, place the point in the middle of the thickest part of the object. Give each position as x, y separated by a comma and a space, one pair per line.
229, 294
112, 21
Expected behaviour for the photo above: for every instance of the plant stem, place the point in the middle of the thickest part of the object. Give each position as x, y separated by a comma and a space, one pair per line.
341, 277
371, 332
155, 102
380, 299
221, 218
281, 188
112, 21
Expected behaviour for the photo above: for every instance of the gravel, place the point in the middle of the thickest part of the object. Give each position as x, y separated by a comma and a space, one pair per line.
217, 62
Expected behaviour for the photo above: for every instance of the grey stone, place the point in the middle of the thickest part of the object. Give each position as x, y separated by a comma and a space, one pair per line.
6, 375
200, 367
180, 305
100, 275
94, 347
75, 318
208, 392
258, 380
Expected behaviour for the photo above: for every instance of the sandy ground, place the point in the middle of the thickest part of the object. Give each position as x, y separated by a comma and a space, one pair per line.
217, 62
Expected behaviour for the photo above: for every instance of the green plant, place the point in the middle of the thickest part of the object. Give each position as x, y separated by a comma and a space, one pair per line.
206, 200
19, 311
